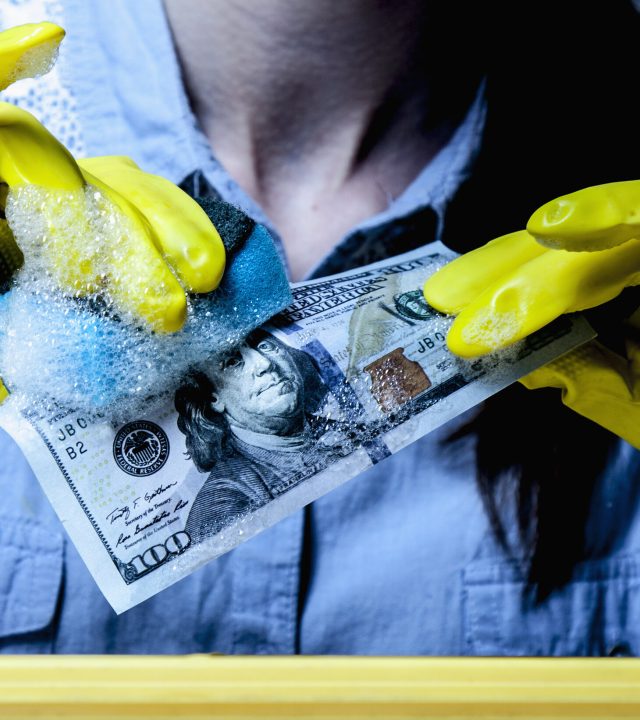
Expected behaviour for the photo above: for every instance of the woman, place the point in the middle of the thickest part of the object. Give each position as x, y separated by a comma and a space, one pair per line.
351, 130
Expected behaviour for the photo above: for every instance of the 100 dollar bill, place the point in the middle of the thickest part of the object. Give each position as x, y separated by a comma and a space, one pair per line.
353, 371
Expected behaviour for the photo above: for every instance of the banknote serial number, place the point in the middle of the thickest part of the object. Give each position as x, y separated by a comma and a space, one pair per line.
68, 433
428, 343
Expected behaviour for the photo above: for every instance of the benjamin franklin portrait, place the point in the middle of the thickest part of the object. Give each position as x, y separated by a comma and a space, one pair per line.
253, 421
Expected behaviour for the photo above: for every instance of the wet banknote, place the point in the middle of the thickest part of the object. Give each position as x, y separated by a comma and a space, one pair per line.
353, 371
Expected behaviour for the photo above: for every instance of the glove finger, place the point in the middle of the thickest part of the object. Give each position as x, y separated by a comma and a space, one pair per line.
458, 283
145, 287
186, 236
31, 155
28, 51
137, 276
594, 383
595, 218
129, 263
533, 295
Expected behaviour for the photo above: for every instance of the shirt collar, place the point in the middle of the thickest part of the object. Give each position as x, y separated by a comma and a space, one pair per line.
439, 180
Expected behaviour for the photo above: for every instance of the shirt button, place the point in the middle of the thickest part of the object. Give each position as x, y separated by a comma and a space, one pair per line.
620, 649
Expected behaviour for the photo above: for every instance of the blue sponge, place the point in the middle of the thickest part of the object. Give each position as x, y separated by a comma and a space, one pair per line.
57, 348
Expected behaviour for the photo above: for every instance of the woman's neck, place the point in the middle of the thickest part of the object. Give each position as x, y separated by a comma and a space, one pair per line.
322, 111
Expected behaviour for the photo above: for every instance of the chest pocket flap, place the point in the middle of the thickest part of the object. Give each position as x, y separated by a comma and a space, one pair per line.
597, 613
30, 575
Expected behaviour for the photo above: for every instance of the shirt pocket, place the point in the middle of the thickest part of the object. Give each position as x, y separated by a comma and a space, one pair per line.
597, 613
30, 579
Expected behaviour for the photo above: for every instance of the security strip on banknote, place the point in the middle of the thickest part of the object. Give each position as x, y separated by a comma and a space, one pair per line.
353, 371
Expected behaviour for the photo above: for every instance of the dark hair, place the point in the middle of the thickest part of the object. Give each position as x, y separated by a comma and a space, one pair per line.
207, 431
555, 123
537, 466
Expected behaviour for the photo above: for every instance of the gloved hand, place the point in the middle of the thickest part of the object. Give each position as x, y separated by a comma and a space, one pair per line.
108, 228
160, 240
578, 251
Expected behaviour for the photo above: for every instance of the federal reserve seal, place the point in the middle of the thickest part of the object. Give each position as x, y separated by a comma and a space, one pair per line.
141, 448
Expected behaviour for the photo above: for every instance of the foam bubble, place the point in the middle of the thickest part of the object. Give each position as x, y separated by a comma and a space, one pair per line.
76, 347
491, 328
36, 61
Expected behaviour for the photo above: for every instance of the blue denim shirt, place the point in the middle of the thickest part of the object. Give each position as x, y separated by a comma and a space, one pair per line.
399, 560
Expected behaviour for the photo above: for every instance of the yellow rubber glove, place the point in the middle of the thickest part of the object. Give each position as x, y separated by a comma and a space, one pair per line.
188, 240
161, 242
578, 251
153, 236
28, 51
